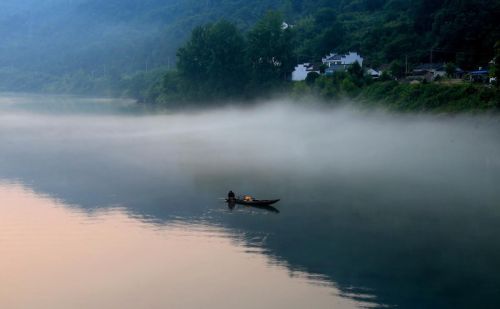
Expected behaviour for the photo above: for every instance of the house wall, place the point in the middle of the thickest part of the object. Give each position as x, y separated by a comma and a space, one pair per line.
439, 73
300, 72
336, 68
351, 58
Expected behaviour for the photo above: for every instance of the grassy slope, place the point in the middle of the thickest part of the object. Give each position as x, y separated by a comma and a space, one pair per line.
433, 97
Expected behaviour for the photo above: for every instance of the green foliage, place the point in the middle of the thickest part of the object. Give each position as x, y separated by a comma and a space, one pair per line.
356, 73
270, 52
495, 70
468, 26
212, 62
348, 84
318, 35
131, 36
219, 63
268, 58
458, 31
385, 76
431, 97
301, 89
450, 68
249, 55
397, 69
312, 77
349, 87
144, 86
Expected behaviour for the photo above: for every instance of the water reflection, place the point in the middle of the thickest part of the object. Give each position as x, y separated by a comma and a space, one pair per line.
232, 206
54, 256
388, 210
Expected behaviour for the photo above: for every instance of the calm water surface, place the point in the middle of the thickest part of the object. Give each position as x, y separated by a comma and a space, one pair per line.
105, 205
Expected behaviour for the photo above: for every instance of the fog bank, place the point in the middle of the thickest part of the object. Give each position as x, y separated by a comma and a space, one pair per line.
276, 140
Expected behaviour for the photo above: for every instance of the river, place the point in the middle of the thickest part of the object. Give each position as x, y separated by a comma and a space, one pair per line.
104, 204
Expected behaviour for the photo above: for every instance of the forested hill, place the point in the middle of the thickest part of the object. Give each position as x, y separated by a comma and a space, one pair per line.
61, 36
63, 41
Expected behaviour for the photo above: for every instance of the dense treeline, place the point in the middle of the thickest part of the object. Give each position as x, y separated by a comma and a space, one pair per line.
435, 97
461, 31
394, 95
61, 37
220, 61
121, 46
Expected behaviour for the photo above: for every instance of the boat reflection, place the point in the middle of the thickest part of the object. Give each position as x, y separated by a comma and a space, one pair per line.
232, 205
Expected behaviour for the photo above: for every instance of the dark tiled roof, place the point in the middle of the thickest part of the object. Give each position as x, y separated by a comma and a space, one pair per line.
335, 57
479, 72
431, 66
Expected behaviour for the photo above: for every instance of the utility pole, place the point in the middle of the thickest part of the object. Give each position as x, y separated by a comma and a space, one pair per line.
406, 64
432, 50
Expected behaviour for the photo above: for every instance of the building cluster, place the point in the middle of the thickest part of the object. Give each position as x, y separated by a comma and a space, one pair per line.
428, 72
329, 65
434, 71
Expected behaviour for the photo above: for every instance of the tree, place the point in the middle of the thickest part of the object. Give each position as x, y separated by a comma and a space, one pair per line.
311, 78
328, 40
356, 70
227, 73
270, 52
356, 74
319, 34
385, 77
470, 26
397, 69
450, 68
193, 56
496, 64
373, 5
211, 63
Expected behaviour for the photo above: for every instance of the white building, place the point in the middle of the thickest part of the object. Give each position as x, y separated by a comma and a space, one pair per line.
301, 71
338, 62
373, 73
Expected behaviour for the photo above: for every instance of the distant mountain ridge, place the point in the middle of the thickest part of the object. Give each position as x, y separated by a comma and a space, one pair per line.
117, 37
60, 36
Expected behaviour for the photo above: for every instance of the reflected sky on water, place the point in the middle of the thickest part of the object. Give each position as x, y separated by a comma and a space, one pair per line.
377, 209
55, 256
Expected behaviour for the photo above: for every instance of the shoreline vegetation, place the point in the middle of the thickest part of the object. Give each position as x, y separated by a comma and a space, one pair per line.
244, 60
407, 97
435, 97
219, 65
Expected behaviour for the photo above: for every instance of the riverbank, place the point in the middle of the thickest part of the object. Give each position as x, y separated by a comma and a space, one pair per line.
436, 97
162, 90
406, 97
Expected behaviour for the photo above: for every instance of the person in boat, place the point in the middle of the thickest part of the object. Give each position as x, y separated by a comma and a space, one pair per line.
230, 196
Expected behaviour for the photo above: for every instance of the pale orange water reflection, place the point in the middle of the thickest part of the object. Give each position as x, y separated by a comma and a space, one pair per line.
55, 256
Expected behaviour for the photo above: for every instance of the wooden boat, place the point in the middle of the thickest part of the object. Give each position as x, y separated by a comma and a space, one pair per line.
252, 202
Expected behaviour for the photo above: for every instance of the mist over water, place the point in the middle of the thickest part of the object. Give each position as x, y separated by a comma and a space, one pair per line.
393, 209
270, 141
